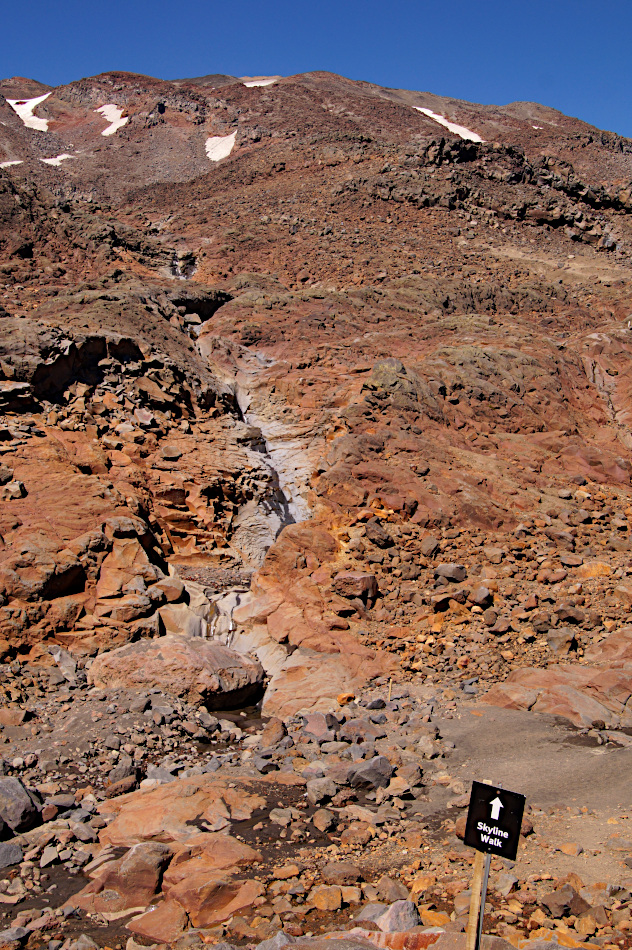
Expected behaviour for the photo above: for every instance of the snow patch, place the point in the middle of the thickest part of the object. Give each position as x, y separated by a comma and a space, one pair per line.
537, 126
220, 146
459, 130
24, 108
8, 164
57, 160
259, 82
114, 116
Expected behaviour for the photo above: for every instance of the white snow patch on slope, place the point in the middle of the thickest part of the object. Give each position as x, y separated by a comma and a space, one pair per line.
57, 160
459, 130
220, 146
537, 126
24, 108
8, 164
259, 82
114, 116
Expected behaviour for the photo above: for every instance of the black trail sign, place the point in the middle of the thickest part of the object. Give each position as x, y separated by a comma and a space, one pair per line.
493, 820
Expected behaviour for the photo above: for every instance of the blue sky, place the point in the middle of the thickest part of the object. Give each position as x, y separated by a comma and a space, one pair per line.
573, 55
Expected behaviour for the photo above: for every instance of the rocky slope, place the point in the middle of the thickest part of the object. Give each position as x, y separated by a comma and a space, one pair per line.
307, 386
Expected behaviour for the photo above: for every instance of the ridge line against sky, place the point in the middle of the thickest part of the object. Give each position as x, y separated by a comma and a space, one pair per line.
571, 55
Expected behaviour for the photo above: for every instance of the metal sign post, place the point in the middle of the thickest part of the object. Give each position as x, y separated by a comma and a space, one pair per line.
481, 915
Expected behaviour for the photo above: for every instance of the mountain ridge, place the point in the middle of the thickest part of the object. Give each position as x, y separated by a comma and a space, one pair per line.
314, 401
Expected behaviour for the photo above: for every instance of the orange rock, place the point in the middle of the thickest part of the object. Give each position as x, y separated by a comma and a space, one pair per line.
586, 926
326, 897
434, 918
169, 812
571, 848
127, 560
131, 881
210, 898
12, 717
421, 883
593, 569
313, 681
343, 698
162, 923
285, 873
209, 852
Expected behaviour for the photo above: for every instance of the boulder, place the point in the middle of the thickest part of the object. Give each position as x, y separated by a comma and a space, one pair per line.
129, 882
481, 597
564, 900
451, 572
341, 872
36, 570
378, 534
10, 854
561, 640
320, 789
432, 937
277, 942
18, 807
352, 584
326, 897
272, 733
13, 938
312, 681
320, 726
162, 923
127, 561
210, 898
173, 812
401, 915
390, 890
429, 546
171, 588
12, 490
361, 730
582, 694
372, 773
180, 619
194, 669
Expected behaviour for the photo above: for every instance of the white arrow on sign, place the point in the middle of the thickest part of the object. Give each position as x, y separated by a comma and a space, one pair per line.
496, 805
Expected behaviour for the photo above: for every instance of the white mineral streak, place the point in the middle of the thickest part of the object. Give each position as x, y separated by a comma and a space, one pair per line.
24, 108
285, 454
459, 130
57, 160
114, 116
220, 146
